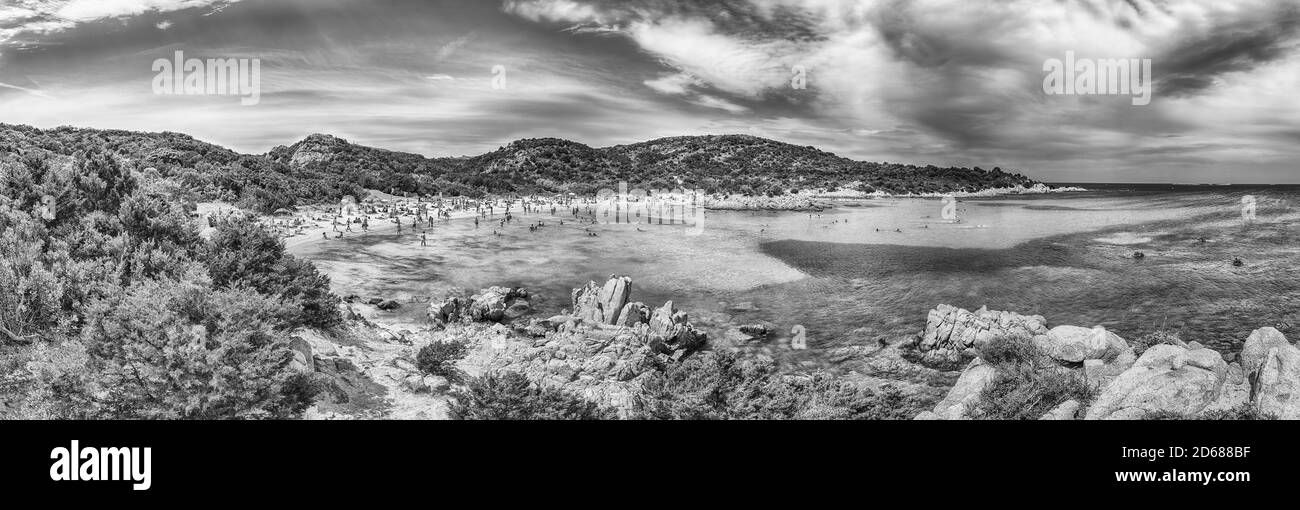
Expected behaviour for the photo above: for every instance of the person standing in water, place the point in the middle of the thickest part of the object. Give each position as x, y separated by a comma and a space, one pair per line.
424, 239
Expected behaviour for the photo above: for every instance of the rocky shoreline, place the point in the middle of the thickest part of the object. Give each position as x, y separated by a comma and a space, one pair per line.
605, 348
1125, 380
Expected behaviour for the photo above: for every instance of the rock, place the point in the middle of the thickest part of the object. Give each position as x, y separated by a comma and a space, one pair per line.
447, 311
415, 383
405, 365
1100, 373
436, 383
374, 301
1236, 390
389, 305
633, 314
673, 328
965, 393
602, 304
1068, 410
748, 333
516, 309
1166, 378
1074, 344
489, 305
1257, 345
1276, 386
950, 330
613, 296
302, 356
586, 356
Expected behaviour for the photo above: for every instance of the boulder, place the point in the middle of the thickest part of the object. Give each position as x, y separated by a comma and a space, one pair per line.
602, 304
1256, 348
673, 329
517, 308
1166, 378
1068, 410
1276, 386
950, 330
436, 383
633, 314
965, 393
415, 384
1074, 344
447, 311
613, 297
388, 305
302, 356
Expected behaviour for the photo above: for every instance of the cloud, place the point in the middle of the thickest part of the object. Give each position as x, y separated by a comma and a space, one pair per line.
37, 17
967, 74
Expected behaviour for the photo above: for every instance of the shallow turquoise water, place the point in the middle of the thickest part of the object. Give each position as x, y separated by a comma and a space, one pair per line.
874, 268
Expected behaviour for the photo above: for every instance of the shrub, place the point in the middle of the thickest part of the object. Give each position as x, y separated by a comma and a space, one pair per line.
1023, 392
242, 253
439, 358
724, 385
1243, 412
511, 396
1010, 351
182, 350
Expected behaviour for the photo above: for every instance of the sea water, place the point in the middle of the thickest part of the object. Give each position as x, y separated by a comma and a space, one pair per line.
871, 269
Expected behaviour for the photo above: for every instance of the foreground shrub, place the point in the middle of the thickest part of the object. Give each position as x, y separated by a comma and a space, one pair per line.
439, 358
1243, 412
722, 385
181, 350
1023, 392
511, 396
1010, 351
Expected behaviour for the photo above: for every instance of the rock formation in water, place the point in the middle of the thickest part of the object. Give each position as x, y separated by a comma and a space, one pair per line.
600, 350
951, 332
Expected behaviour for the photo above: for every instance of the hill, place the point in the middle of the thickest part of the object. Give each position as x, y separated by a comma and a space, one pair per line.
325, 168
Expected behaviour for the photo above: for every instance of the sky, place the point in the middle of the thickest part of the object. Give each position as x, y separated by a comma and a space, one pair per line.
943, 82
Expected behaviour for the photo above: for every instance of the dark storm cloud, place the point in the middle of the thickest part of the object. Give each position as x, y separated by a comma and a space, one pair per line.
1196, 61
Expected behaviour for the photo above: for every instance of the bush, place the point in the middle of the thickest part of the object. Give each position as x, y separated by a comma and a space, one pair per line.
511, 396
183, 350
1243, 412
439, 358
1010, 351
724, 385
242, 253
1023, 392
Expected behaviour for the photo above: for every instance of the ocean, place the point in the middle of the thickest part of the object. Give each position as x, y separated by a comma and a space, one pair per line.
868, 269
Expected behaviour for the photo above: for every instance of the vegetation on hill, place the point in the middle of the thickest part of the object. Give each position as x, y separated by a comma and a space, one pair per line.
323, 168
